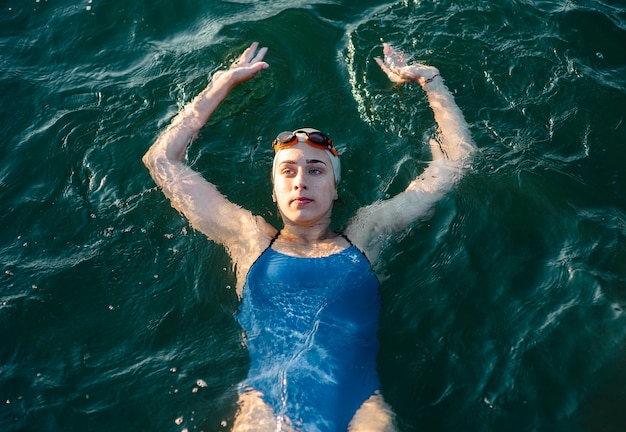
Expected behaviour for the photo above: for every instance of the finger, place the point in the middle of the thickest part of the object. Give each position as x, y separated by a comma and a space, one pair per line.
248, 53
388, 67
395, 58
246, 73
259, 55
393, 76
393, 54
383, 65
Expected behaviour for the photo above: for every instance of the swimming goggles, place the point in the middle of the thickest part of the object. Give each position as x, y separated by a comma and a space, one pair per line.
314, 138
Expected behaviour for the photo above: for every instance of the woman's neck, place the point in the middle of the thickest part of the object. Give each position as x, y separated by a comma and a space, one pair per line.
306, 235
316, 241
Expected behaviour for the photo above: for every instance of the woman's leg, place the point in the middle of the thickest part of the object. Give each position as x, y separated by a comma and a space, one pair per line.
373, 416
255, 415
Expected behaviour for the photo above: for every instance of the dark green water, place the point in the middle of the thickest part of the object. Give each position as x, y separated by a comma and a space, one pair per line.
503, 312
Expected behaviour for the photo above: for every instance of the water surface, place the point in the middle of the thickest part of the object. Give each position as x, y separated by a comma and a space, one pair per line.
502, 312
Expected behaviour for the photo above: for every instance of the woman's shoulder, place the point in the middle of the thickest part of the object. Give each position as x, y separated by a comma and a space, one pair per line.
249, 246
360, 237
253, 240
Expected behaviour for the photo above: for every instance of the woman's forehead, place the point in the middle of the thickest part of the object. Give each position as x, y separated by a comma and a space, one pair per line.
301, 153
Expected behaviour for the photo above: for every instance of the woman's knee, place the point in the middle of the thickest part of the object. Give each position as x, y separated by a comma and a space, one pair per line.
254, 415
373, 416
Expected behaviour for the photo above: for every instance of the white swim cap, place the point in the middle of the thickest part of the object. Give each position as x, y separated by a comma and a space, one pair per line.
313, 137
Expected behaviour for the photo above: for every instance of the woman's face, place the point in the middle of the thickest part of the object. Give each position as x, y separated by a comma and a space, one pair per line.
304, 184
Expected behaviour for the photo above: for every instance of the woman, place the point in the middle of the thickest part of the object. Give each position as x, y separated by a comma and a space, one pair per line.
310, 300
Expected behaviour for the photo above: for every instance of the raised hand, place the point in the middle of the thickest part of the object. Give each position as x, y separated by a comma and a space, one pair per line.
395, 66
246, 66
454, 141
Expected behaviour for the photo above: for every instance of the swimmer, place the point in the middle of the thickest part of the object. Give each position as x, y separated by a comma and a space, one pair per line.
309, 298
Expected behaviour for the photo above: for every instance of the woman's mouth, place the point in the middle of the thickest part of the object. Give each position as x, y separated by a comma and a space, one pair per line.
301, 201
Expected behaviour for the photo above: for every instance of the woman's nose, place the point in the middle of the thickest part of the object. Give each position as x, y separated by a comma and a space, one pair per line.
300, 180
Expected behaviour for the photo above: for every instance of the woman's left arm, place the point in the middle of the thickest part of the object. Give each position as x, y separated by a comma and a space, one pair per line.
451, 152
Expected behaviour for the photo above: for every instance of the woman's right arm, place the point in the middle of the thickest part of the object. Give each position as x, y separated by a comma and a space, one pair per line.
204, 206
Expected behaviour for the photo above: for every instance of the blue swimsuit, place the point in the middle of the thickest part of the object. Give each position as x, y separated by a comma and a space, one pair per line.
311, 331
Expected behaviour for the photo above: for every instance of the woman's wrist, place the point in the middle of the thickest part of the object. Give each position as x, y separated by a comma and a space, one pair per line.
429, 80
222, 78
423, 74
218, 88
432, 78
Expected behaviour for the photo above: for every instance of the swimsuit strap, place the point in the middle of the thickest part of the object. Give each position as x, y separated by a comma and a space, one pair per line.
279, 231
347, 239
341, 234
267, 248
352, 244
274, 239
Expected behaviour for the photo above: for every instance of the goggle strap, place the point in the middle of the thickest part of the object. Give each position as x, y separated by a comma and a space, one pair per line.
283, 146
280, 144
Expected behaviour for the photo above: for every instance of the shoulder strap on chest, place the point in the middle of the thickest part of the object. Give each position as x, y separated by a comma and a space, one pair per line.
274, 239
347, 239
